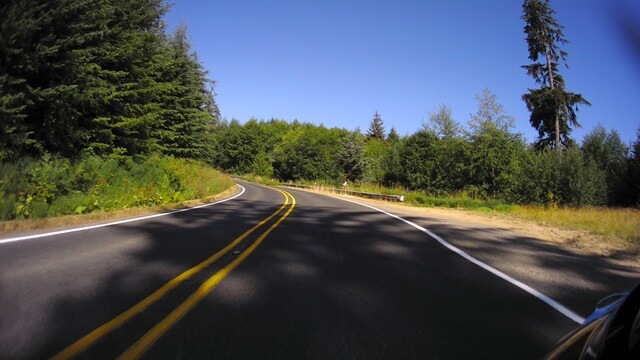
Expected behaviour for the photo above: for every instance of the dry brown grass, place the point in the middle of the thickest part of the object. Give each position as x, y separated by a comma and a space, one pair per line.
619, 226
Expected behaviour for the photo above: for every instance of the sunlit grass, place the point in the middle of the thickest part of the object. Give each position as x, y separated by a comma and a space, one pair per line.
176, 183
610, 223
260, 179
53, 187
198, 180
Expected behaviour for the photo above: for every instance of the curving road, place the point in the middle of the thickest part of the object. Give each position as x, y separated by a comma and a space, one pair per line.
273, 273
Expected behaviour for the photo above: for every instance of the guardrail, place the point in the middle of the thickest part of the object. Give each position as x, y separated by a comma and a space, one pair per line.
350, 192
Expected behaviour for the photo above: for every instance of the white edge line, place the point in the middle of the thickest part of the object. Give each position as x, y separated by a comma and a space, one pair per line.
28, 237
549, 301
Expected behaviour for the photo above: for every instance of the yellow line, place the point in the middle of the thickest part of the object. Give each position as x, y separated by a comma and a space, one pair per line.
89, 339
137, 349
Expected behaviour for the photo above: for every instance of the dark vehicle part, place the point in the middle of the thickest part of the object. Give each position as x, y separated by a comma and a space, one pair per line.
612, 331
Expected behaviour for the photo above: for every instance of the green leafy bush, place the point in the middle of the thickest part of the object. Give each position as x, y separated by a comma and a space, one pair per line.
55, 186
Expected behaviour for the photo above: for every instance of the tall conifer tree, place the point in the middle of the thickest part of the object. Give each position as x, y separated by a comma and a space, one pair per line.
376, 128
187, 103
553, 108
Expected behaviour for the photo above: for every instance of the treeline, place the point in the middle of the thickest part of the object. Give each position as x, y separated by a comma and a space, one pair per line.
102, 78
484, 159
99, 77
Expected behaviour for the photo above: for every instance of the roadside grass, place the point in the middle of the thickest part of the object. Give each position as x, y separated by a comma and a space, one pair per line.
12, 226
612, 224
616, 226
54, 187
259, 179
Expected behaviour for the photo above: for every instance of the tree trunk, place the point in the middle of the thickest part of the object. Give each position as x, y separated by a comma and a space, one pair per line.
551, 83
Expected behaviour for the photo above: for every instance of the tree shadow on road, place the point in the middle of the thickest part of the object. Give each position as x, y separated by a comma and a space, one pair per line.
336, 282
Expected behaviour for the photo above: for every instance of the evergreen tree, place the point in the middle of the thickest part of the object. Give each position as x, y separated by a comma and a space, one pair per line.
374, 152
351, 157
47, 49
184, 101
610, 155
418, 161
553, 108
129, 104
233, 148
495, 151
391, 162
100, 76
393, 135
376, 128
262, 165
634, 170
552, 180
17, 25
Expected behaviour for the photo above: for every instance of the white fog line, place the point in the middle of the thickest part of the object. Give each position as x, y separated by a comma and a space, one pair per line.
549, 301
28, 237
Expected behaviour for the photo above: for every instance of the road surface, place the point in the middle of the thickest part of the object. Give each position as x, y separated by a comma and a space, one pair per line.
272, 273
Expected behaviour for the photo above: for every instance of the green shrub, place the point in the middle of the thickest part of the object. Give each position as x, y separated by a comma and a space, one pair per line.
55, 186
550, 179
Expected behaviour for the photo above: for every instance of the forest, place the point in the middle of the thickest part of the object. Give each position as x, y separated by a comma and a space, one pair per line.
92, 87
100, 77
484, 159
101, 109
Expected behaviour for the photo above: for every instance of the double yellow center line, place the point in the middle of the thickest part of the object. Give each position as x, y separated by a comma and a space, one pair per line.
138, 348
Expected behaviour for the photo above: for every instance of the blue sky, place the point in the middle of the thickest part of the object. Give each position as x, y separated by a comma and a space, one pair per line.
336, 62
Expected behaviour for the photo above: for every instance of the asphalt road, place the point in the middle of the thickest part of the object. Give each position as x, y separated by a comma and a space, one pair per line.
293, 275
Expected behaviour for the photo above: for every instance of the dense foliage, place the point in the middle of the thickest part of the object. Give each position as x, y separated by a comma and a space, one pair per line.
483, 160
99, 77
53, 186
